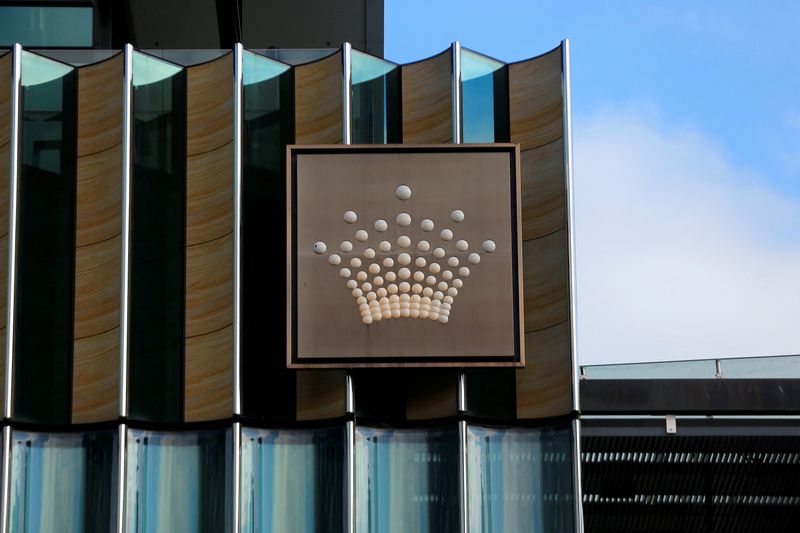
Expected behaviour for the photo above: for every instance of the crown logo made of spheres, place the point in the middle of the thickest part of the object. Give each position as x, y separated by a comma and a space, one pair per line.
404, 279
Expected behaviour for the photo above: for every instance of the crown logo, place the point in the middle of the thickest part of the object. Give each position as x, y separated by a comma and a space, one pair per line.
405, 279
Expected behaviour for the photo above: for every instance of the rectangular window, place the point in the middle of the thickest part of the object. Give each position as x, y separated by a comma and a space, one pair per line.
46, 26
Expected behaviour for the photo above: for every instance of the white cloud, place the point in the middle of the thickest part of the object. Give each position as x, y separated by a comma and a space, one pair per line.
680, 254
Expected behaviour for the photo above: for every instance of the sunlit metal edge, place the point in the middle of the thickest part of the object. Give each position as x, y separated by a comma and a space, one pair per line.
576, 475
347, 99
237, 472
127, 111
238, 77
122, 461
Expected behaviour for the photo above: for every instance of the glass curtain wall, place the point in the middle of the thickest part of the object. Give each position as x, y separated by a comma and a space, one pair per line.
406, 480
158, 236
376, 103
292, 480
520, 480
484, 99
178, 481
268, 388
63, 483
45, 241
46, 26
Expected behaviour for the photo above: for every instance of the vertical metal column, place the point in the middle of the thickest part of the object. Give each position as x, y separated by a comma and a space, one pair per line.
16, 115
350, 459
456, 53
127, 162
347, 96
573, 306
238, 110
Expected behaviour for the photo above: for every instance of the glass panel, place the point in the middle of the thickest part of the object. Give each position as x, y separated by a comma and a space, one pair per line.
292, 480
376, 105
45, 241
701, 368
295, 56
188, 58
268, 388
178, 482
78, 58
63, 483
158, 215
46, 26
406, 480
784, 367
484, 99
520, 480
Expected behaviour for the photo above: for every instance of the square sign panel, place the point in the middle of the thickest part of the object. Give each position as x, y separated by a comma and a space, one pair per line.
404, 255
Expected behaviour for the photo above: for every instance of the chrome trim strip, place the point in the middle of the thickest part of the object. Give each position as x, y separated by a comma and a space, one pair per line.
462, 476
576, 475
127, 156
4, 526
350, 511
462, 392
570, 188
122, 461
16, 109
349, 395
237, 470
238, 88
456, 92
347, 96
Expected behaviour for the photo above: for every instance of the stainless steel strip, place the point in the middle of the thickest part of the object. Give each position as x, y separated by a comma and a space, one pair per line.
16, 110
456, 52
462, 392
237, 473
462, 476
122, 461
576, 475
350, 511
573, 284
6, 479
347, 84
127, 131
238, 87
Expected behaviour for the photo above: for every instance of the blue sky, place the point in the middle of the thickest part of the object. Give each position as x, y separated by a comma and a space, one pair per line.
687, 162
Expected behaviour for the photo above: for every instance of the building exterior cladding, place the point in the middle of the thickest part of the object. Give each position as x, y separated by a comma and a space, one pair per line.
146, 386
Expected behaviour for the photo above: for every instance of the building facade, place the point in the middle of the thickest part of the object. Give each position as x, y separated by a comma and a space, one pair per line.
146, 385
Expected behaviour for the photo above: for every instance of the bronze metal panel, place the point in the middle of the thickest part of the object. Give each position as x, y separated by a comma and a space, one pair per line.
98, 210
320, 394
318, 101
546, 281
427, 88
97, 288
209, 376
535, 100
209, 105
100, 105
544, 385
482, 325
208, 356
95, 378
543, 190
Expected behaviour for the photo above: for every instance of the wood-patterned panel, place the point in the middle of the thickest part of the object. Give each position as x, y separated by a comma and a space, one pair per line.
100, 105
208, 356
544, 385
427, 88
535, 102
209, 379
543, 190
5, 100
318, 101
546, 281
209, 105
95, 378
320, 394
432, 394
98, 241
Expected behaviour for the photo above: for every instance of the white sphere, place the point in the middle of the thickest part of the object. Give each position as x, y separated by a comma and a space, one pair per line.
351, 284
404, 273
403, 219
489, 246
446, 234
367, 286
374, 268
391, 289
474, 258
346, 246
403, 192
405, 286
355, 262
457, 283
350, 217
381, 225
457, 215
334, 259
448, 300
423, 246
443, 319
371, 298
384, 246
362, 302
367, 320
418, 276
420, 262
453, 261
403, 241
388, 262
320, 247
404, 258
463, 272
442, 286
345, 272
378, 281
357, 293
430, 280
452, 291
415, 298
438, 253
426, 225
416, 288
361, 276
423, 313
362, 235
435, 268
462, 246
390, 276
447, 275
427, 291
381, 293
369, 253
438, 295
